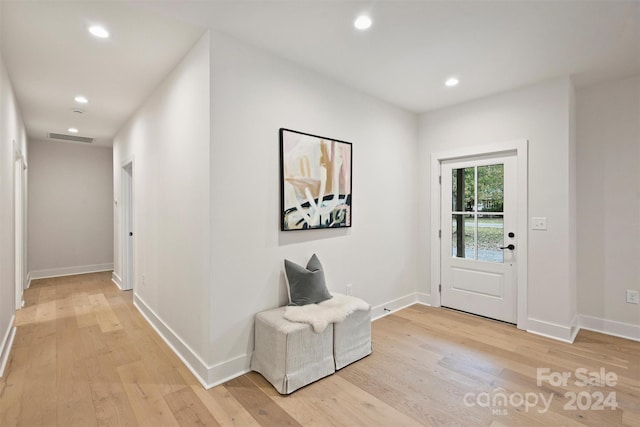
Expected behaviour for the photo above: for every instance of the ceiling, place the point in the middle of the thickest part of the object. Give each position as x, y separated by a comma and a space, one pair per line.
404, 58
51, 58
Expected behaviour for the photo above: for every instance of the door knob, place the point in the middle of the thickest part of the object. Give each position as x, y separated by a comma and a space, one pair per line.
510, 247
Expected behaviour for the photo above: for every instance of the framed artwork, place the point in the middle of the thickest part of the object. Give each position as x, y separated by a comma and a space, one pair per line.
315, 181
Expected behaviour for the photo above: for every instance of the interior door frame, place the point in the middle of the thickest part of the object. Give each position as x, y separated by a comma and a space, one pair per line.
520, 149
19, 209
126, 225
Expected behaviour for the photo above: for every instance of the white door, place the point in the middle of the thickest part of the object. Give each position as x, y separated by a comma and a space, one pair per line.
479, 245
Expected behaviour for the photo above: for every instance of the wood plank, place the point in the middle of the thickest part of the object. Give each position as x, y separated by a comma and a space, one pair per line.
146, 400
85, 316
219, 402
12, 386
105, 317
39, 401
224, 407
75, 405
258, 404
109, 397
188, 409
331, 401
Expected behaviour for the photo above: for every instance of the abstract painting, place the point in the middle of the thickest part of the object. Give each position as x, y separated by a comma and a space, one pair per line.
315, 176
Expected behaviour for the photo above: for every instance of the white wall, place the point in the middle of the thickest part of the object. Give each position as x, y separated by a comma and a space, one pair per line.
11, 129
168, 141
205, 151
608, 156
540, 114
253, 95
70, 208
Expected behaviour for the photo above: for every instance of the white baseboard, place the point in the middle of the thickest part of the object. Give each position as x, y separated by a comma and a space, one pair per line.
28, 280
116, 280
552, 330
7, 342
68, 271
610, 327
228, 370
424, 299
208, 376
191, 360
392, 306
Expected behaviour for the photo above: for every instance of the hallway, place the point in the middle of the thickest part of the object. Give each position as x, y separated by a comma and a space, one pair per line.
84, 356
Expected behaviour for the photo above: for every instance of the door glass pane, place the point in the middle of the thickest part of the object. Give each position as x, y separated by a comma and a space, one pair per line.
490, 188
463, 196
463, 236
490, 238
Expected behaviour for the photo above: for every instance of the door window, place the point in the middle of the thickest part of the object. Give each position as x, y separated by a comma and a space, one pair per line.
477, 221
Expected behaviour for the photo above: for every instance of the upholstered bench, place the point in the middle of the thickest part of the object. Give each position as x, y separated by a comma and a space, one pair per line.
288, 354
317, 333
291, 355
352, 338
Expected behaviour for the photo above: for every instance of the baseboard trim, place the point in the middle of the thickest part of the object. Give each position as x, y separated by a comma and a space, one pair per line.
28, 280
7, 343
116, 280
68, 271
191, 360
229, 369
610, 327
382, 310
424, 299
208, 376
552, 330
575, 327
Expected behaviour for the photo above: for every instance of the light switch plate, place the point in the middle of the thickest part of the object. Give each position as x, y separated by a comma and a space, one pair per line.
539, 223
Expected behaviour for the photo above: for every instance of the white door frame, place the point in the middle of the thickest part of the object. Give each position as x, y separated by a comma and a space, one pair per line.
126, 225
520, 147
19, 224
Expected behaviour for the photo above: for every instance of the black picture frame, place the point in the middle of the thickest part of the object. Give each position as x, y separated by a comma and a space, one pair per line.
316, 175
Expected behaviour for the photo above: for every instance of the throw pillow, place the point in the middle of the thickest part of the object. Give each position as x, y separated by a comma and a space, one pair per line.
306, 285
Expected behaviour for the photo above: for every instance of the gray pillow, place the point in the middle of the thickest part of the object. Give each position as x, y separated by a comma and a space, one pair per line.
306, 285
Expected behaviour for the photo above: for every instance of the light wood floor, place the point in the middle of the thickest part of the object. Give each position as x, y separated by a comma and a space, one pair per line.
83, 356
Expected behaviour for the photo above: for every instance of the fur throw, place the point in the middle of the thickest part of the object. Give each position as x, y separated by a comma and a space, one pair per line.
320, 315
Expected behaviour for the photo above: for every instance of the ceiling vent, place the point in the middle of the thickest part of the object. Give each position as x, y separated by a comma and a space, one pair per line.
72, 138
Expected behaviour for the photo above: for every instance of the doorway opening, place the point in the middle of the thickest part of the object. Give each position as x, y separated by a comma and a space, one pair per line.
479, 218
127, 227
19, 192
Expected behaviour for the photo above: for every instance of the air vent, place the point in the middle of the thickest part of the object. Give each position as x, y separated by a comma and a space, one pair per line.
72, 138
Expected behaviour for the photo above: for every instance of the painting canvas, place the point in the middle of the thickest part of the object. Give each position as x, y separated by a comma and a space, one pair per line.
315, 175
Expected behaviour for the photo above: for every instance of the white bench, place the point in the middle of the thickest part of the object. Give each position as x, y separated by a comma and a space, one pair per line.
291, 355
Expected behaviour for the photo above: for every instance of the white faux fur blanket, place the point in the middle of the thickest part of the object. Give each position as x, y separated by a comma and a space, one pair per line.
320, 315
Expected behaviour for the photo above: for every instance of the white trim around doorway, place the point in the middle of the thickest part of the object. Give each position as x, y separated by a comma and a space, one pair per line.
520, 147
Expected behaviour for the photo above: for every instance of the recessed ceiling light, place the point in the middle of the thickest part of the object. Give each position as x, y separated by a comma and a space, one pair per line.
451, 81
362, 22
73, 130
99, 31
81, 99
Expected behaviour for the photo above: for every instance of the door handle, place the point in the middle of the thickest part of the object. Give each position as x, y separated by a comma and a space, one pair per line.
510, 247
